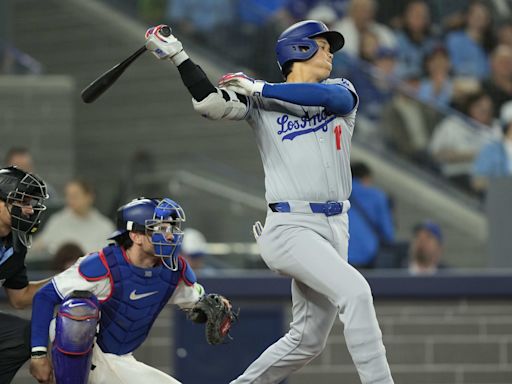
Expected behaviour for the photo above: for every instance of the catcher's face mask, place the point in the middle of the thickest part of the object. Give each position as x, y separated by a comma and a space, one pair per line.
164, 230
25, 206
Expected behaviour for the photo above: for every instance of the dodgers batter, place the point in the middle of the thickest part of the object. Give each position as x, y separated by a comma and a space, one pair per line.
303, 129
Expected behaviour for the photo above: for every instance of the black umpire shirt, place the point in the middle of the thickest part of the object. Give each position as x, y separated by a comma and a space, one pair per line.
13, 272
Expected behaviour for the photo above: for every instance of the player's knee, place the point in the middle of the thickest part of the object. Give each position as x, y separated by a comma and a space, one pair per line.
309, 342
76, 323
360, 295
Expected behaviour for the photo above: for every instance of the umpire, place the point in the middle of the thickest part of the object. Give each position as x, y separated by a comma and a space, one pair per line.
22, 197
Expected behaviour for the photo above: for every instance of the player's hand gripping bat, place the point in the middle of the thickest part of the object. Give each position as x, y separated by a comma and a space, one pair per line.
105, 81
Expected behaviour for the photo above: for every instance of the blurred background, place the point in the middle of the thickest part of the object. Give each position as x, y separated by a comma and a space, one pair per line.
432, 166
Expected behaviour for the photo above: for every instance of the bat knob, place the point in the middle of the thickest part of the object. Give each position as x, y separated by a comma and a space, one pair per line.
165, 31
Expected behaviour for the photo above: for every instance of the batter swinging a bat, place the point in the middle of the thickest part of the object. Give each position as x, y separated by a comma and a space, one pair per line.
303, 129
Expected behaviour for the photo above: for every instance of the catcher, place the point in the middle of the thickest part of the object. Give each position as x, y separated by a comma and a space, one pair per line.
128, 286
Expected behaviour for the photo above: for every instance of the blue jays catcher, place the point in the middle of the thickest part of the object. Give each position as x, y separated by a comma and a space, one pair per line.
108, 300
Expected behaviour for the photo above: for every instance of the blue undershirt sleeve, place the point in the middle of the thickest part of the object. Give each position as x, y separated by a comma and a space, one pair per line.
42, 313
336, 98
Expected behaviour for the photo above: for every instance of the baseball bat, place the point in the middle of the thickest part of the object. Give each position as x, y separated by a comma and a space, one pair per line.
105, 81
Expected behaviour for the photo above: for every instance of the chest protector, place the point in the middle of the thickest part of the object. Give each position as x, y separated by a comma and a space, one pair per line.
137, 297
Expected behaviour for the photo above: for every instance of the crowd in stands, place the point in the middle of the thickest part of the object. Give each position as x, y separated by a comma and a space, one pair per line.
373, 243
73, 226
435, 85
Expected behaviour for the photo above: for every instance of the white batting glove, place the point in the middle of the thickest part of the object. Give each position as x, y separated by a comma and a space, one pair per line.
257, 230
165, 47
241, 83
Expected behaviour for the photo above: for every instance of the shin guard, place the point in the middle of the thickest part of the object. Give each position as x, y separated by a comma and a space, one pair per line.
75, 330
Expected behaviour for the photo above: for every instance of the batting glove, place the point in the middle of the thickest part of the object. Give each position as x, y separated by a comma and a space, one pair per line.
241, 83
165, 47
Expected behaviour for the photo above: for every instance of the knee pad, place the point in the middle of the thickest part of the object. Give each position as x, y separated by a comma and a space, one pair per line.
75, 329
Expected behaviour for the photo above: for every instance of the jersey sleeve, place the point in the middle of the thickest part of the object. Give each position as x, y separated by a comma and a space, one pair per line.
18, 280
71, 280
349, 86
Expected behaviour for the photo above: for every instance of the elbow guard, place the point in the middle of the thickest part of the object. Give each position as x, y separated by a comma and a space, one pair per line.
223, 104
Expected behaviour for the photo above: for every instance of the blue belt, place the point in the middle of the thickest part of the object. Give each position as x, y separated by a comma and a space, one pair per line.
329, 208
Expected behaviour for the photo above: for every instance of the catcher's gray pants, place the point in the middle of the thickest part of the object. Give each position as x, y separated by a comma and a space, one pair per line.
312, 249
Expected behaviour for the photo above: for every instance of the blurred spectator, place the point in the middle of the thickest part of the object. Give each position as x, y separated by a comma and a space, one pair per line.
203, 18
457, 140
316, 10
19, 157
437, 87
209, 22
499, 85
255, 34
469, 47
22, 158
407, 126
194, 249
361, 18
415, 40
368, 46
391, 15
375, 87
79, 222
66, 256
448, 15
324, 13
151, 11
495, 158
371, 224
138, 178
505, 33
426, 249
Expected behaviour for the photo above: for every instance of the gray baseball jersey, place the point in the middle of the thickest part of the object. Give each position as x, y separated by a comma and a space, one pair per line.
305, 150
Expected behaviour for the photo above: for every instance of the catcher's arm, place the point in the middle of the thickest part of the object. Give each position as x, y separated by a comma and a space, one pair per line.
186, 296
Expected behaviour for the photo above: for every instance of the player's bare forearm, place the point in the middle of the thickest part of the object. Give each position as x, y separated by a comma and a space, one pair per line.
22, 298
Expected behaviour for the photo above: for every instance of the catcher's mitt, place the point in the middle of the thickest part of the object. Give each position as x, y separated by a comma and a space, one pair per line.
214, 310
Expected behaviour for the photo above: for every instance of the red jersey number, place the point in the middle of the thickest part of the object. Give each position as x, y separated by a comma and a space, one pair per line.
337, 132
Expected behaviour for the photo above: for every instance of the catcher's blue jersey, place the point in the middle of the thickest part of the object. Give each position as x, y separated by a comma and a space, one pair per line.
137, 297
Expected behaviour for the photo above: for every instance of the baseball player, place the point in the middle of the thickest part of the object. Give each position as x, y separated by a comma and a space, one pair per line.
22, 197
121, 289
303, 129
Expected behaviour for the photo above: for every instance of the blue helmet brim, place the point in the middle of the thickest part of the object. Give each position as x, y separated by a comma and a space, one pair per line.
335, 39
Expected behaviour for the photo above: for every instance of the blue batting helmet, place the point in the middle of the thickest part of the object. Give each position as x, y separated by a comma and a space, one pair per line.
157, 218
296, 42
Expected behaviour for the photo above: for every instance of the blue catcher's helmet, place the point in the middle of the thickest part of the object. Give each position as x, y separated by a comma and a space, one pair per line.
157, 218
296, 42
